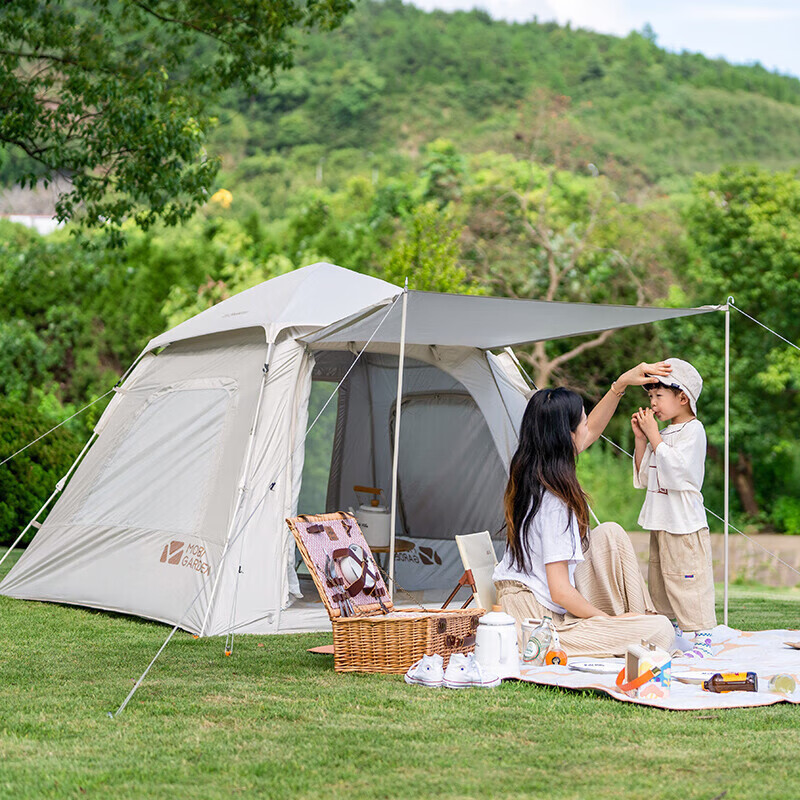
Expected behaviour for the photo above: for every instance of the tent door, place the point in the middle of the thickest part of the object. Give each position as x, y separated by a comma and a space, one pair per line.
450, 476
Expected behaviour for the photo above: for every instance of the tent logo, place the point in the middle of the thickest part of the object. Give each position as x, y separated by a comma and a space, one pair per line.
172, 553
428, 556
191, 555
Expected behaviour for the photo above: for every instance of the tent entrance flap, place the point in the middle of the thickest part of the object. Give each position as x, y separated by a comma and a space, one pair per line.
450, 480
451, 475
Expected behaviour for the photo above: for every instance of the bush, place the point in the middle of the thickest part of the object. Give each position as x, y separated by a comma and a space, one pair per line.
786, 514
28, 480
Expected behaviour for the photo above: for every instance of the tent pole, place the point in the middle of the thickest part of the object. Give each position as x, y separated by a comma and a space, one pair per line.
727, 457
59, 486
242, 484
396, 454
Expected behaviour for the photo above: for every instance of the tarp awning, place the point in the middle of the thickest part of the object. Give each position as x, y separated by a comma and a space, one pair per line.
487, 322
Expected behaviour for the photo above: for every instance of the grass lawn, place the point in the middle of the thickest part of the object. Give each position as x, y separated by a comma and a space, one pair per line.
275, 721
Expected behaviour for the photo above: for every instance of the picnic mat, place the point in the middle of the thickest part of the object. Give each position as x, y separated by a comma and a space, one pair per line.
763, 652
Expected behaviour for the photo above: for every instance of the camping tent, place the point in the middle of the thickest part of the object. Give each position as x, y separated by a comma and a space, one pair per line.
176, 511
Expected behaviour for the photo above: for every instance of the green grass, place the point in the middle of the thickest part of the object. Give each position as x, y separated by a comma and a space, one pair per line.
275, 721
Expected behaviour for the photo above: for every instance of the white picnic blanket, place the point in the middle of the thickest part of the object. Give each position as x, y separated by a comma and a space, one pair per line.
762, 652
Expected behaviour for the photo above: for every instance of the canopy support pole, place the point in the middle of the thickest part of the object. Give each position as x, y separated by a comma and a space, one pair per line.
59, 486
727, 456
396, 454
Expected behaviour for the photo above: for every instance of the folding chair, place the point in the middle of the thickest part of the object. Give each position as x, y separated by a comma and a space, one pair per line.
479, 560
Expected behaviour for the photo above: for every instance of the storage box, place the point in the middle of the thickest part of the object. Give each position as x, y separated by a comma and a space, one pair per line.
378, 637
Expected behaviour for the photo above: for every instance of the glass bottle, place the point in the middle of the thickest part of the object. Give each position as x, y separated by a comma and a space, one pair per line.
538, 642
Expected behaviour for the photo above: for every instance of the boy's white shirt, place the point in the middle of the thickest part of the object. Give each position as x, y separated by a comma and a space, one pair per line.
673, 477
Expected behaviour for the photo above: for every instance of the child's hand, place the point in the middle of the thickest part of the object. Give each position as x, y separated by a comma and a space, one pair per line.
647, 422
637, 431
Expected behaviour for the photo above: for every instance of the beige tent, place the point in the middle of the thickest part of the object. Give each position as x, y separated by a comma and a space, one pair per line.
176, 511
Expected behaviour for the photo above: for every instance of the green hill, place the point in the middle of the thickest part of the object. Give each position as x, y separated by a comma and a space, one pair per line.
394, 78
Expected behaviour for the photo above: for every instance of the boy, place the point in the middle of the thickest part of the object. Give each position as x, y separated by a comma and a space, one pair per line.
670, 464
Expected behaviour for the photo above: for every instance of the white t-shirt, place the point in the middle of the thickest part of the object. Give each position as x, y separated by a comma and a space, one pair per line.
551, 536
673, 477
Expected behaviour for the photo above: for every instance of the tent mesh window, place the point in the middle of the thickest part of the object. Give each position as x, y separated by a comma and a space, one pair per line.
158, 478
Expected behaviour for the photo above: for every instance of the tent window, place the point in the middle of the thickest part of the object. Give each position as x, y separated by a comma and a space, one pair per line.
160, 476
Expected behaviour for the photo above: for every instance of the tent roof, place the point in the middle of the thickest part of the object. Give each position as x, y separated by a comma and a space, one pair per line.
487, 322
316, 296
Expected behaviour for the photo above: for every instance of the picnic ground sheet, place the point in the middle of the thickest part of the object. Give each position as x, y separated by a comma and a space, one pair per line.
764, 652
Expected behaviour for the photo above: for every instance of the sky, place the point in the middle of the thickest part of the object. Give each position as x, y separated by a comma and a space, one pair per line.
741, 31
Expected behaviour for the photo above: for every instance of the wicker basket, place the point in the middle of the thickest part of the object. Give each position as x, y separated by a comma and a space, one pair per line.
392, 643
374, 640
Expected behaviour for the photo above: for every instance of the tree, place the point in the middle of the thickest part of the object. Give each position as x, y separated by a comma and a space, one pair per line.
427, 252
116, 95
573, 240
744, 227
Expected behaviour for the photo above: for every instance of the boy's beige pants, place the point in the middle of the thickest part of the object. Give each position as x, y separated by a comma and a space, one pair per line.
609, 579
681, 578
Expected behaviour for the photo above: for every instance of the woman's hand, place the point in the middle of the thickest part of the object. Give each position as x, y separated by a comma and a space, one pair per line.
641, 374
604, 410
647, 422
566, 595
637, 431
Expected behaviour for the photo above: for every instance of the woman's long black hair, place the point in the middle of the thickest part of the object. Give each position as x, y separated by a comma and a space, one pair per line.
545, 459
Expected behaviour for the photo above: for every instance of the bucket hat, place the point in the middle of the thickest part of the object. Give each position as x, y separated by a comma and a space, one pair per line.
684, 377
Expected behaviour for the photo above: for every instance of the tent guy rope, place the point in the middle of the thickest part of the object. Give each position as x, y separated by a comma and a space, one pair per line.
765, 327
56, 427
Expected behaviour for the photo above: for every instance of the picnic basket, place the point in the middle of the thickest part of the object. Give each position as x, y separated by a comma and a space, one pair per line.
376, 637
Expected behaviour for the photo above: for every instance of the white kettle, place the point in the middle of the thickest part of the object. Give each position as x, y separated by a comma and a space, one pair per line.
496, 643
373, 518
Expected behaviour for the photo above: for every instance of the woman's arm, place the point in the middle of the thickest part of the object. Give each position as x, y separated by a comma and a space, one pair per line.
566, 595
601, 414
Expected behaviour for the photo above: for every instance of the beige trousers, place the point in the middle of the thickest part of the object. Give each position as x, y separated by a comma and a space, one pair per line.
681, 578
609, 579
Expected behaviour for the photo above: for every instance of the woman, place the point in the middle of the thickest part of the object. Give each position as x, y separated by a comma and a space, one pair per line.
589, 582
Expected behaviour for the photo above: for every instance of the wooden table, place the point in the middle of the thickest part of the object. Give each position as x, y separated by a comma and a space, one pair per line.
400, 546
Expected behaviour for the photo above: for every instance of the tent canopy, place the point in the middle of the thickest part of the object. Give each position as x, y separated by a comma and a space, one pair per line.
487, 322
336, 306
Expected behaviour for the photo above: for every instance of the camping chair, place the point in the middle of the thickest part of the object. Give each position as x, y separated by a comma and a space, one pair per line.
479, 560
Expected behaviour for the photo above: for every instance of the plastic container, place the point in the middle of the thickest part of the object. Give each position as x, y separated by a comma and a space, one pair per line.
496, 643
555, 655
782, 684
641, 660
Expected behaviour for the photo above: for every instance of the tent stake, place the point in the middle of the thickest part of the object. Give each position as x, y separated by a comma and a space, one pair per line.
396, 454
727, 457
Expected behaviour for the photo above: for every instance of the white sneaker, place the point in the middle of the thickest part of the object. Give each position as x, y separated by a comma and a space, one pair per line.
428, 671
464, 671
